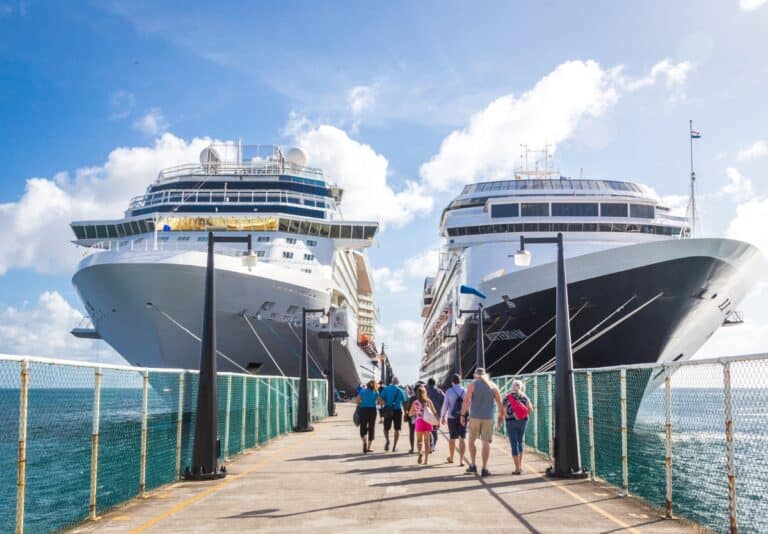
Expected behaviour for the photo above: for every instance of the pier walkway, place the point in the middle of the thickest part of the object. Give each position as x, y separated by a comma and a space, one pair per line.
320, 482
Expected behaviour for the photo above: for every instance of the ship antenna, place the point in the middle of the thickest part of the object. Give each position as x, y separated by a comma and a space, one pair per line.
691, 211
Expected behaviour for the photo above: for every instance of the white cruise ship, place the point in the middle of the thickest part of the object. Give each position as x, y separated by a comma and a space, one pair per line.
640, 288
142, 280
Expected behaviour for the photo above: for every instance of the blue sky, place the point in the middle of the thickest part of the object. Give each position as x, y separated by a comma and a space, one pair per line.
376, 89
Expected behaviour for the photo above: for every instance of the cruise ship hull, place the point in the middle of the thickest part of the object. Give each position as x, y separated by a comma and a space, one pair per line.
642, 303
149, 307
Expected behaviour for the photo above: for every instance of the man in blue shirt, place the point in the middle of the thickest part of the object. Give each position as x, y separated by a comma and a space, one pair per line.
392, 410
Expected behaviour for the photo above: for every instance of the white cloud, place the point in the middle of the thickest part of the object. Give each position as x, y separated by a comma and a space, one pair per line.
121, 104
738, 187
152, 123
423, 265
750, 223
549, 113
43, 330
390, 280
403, 345
36, 227
360, 98
756, 150
750, 5
361, 172
416, 267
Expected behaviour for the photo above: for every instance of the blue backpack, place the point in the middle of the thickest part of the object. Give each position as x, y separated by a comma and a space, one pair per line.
457, 405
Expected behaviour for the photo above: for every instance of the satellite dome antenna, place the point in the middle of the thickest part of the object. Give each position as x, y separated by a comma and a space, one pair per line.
210, 160
297, 156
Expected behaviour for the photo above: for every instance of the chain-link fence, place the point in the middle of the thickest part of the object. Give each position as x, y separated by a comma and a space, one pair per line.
84, 438
687, 437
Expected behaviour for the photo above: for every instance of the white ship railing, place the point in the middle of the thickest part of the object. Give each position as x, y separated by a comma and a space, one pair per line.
230, 196
257, 168
120, 419
659, 431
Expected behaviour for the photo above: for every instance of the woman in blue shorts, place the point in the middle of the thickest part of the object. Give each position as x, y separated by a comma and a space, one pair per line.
517, 406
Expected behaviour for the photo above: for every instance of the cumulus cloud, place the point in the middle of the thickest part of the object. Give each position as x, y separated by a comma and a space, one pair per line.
389, 280
152, 123
360, 98
738, 187
750, 5
423, 265
416, 267
362, 173
758, 149
42, 329
403, 345
121, 104
549, 113
750, 223
37, 234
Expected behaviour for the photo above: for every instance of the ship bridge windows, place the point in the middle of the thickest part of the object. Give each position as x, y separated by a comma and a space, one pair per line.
534, 209
505, 210
517, 228
613, 209
641, 211
574, 209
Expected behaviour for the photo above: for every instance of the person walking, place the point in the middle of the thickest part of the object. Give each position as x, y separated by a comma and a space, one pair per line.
419, 409
517, 407
392, 411
437, 397
451, 412
368, 399
478, 403
411, 420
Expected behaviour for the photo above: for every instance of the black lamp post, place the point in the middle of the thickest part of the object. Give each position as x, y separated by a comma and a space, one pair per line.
303, 418
458, 353
206, 446
567, 461
383, 380
480, 345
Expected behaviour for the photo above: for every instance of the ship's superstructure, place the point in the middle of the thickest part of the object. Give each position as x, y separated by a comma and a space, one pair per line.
640, 289
142, 278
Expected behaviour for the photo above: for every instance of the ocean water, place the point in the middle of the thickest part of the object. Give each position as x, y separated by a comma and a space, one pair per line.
59, 450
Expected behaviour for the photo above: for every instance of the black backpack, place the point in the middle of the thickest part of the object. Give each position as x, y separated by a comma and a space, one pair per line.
457, 405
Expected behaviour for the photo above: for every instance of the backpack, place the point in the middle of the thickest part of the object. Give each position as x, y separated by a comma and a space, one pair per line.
516, 409
457, 405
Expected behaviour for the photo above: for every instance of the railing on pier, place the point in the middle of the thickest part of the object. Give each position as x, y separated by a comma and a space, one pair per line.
83, 437
691, 438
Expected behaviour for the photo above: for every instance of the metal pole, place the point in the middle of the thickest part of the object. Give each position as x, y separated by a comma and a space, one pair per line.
205, 453
22, 465
331, 379
269, 408
668, 439
179, 423
244, 413
623, 408
226, 418
536, 413
458, 355
729, 452
550, 417
303, 419
567, 455
591, 425
480, 352
256, 413
95, 444
144, 414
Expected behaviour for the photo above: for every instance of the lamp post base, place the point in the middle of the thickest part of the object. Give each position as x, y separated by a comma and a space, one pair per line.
309, 428
571, 473
189, 475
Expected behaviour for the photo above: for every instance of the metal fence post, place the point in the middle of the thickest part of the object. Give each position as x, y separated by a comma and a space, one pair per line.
179, 423
256, 413
623, 407
95, 443
269, 408
244, 414
729, 452
21, 480
286, 426
536, 413
551, 416
591, 426
668, 439
226, 418
144, 410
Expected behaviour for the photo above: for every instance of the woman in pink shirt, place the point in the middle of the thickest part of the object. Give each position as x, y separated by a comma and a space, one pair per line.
423, 429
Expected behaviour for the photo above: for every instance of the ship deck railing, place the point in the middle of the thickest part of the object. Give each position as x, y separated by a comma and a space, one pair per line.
256, 168
216, 197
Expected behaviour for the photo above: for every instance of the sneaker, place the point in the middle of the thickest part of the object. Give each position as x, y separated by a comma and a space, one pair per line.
472, 469
485, 473
386, 445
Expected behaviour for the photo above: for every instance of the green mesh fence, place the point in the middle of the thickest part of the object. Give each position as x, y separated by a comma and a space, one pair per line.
145, 437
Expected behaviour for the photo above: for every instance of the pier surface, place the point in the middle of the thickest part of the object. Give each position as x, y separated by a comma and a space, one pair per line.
320, 482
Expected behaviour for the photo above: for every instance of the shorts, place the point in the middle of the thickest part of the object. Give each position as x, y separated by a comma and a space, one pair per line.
396, 419
482, 428
422, 425
455, 429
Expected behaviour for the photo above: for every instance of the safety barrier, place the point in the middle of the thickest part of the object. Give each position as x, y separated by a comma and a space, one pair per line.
83, 437
688, 437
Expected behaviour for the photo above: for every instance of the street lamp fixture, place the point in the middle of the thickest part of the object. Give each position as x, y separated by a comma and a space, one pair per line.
567, 461
206, 449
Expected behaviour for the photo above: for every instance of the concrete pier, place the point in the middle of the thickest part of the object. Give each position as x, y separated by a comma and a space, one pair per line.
321, 482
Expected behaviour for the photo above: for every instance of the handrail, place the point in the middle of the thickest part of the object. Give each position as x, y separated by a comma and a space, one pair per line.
262, 168
230, 196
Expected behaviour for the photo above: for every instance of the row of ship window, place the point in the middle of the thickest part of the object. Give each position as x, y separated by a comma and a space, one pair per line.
209, 197
572, 209
562, 183
564, 227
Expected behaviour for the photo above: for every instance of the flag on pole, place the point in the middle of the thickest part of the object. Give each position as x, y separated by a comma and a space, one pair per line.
695, 134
